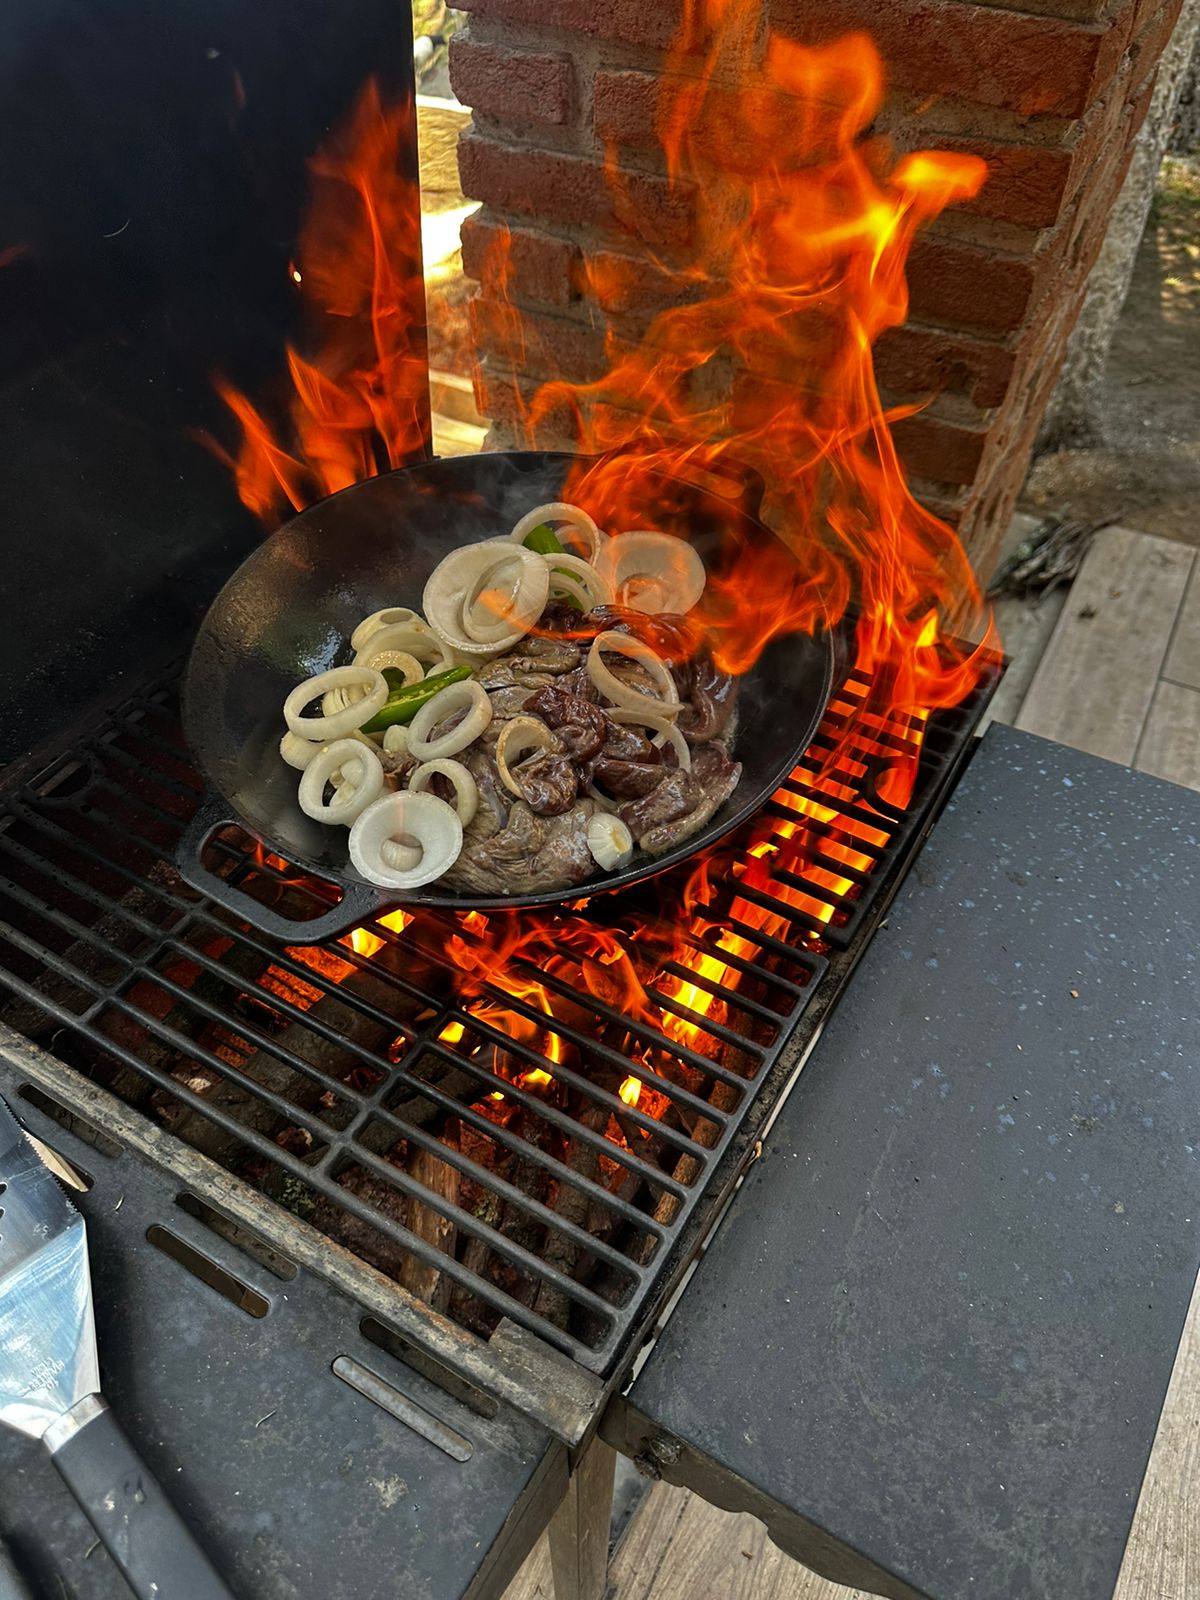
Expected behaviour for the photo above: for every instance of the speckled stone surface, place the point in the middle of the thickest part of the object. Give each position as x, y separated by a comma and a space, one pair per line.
941, 1315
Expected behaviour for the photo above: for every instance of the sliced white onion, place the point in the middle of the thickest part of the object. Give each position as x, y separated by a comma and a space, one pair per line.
402, 857
569, 573
339, 723
488, 615
561, 518
419, 821
518, 737
466, 790
382, 619
652, 572
665, 732
356, 774
299, 752
386, 646
610, 841
454, 587
454, 697
395, 739
620, 694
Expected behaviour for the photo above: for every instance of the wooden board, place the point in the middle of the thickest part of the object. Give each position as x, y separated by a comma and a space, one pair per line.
1170, 742
1183, 657
1096, 681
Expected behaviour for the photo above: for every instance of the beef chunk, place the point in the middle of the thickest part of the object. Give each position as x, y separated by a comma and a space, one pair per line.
674, 796
628, 780
548, 782
581, 727
714, 777
531, 854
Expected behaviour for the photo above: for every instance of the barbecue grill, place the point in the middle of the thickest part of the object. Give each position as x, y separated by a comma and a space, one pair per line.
382, 1218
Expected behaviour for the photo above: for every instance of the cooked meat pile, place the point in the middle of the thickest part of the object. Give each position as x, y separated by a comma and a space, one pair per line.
539, 842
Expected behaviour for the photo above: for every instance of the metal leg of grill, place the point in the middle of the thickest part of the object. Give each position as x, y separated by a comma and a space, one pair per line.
579, 1528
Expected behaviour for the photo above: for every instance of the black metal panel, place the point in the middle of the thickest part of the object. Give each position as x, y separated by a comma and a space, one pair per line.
295, 1481
965, 1261
152, 184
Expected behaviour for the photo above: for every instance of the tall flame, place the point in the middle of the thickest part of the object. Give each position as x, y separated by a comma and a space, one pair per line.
803, 226
358, 403
803, 222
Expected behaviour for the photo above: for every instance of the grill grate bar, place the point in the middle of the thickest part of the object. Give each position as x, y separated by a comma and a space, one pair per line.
248, 1136
641, 1032
651, 1176
593, 1091
137, 968
563, 1204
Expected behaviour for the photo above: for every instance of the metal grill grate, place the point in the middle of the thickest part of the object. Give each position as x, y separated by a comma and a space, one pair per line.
427, 1114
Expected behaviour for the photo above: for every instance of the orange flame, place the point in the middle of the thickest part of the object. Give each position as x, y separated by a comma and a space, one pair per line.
796, 265
802, 231
359, 404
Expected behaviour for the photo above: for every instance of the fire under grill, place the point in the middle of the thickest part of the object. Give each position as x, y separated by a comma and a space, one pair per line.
527, 1116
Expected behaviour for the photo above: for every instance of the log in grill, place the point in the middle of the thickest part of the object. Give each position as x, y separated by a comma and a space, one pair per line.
477, 1173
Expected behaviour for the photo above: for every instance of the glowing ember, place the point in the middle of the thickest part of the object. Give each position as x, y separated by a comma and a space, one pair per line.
631, 1091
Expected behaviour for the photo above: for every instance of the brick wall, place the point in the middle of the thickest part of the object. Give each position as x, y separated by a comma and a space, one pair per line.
1049, 95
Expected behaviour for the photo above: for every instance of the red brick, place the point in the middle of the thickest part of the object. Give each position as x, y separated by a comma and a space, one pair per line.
541, 267
1025, 183
914, 362
543, 347
513, 84
943, 451
970, 287
570, 189
623, 283
1034, 65
627, 21
1148, 38
623, 107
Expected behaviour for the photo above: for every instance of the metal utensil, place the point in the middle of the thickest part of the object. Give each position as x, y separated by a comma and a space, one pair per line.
50, 1382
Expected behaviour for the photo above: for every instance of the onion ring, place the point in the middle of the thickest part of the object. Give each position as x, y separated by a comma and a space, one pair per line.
620, 694
453, 697
524, 604
668, 562
465, 788
582, 576
525, 734
462, 574
420, 644
299, 752
665, 733
382, 619
559, 514
340, 723
405, 819
361, 774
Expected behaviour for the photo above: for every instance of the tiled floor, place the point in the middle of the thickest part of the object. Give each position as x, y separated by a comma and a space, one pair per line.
1119, 677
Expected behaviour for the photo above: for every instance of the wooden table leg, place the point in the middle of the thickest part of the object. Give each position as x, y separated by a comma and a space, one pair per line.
579, 1528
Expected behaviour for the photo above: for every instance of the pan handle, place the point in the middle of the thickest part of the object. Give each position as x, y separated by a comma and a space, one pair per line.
359, 901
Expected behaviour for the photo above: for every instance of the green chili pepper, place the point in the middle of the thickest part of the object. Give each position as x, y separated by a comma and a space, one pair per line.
402, 705
544, 541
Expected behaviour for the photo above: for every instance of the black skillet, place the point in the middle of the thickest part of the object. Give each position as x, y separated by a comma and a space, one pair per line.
288, 612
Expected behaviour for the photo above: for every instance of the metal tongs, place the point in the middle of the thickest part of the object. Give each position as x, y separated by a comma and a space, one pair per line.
50, 1382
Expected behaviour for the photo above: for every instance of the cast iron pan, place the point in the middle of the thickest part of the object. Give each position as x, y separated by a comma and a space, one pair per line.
288, 612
